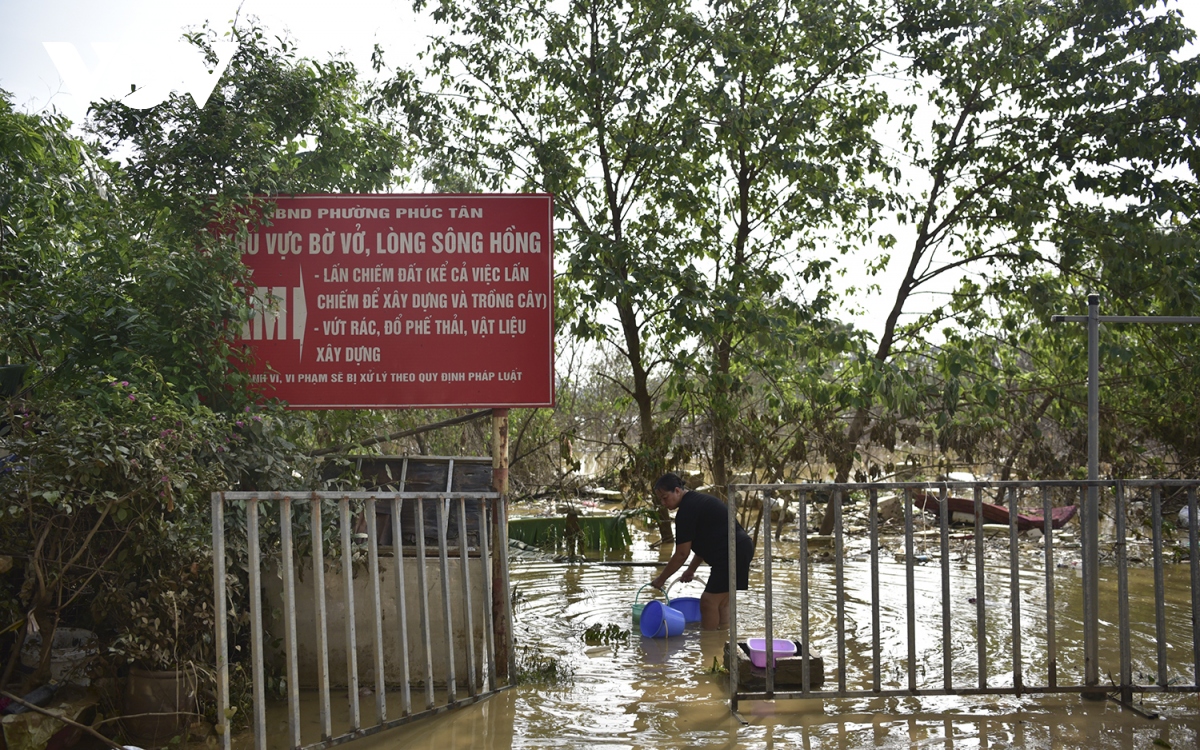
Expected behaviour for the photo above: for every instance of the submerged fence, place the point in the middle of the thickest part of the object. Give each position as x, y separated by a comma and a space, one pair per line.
427, 608
901, 657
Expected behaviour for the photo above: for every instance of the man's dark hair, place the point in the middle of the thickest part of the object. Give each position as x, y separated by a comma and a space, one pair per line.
668, 482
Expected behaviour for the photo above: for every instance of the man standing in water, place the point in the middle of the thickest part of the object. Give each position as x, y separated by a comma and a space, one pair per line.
702, 527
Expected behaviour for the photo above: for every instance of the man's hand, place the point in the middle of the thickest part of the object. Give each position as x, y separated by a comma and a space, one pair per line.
687, 576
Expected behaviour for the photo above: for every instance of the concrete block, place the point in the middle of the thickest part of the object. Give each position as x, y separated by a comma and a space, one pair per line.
789, 672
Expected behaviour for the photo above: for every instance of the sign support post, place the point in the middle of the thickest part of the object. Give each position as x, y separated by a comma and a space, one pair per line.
501, 614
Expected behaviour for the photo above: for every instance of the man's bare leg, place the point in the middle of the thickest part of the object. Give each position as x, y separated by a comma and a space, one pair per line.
714, 611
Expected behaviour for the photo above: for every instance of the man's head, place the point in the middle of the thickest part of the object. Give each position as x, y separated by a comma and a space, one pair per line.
669, 489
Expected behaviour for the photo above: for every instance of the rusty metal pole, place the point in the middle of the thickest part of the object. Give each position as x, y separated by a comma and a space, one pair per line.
501, 616
1091, 517
1090, 514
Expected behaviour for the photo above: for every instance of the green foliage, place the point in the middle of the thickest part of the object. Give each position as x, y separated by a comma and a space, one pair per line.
535, 667
275, 123
110, 432
555, 94
710, 164
123, 303
788, 100
1028, 158
599, 533
606, 635
717, 668
165, 621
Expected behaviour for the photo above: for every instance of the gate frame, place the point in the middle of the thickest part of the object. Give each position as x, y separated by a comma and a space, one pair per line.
496, 530
1091, 609
1090, 516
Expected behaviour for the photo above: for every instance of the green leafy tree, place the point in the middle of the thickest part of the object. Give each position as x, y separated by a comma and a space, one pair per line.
785, 88
124, 303
109, 430
276, 123
1050, 126
587, 101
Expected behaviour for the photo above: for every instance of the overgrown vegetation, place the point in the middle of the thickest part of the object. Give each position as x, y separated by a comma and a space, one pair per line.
536, 667
596, 533
606, 635
119, 303
719, 166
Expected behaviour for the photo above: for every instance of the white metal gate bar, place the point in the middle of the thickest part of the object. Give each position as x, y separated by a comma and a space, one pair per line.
458, 610
322, 623
1016, 492
351, 621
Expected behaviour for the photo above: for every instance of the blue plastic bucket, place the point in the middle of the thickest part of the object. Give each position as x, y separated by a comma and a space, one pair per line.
689, 606
660, 621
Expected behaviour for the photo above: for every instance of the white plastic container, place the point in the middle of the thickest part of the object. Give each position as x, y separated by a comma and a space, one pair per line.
70, 654
758, 650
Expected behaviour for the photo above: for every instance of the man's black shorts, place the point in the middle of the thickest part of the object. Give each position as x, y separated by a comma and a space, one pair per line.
718, 575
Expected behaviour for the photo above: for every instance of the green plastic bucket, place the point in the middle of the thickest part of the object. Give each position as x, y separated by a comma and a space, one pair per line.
639, 607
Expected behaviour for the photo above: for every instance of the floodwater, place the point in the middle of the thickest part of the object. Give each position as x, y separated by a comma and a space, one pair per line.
632, 692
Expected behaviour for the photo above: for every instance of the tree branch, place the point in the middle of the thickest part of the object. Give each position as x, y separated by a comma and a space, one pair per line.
402, 433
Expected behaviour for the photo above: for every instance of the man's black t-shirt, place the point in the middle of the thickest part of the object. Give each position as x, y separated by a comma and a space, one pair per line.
703, 520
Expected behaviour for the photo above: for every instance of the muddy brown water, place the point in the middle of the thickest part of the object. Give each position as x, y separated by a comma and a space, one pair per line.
635, 692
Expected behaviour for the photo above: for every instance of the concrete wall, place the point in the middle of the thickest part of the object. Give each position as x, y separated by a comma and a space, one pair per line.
336, 614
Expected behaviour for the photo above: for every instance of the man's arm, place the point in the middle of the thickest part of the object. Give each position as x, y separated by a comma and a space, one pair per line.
676, 562
691, 569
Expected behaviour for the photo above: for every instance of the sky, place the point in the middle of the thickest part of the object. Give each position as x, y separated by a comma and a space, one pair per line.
65, 54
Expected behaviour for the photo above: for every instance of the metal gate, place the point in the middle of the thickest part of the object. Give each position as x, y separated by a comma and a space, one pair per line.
286, 612
925, 674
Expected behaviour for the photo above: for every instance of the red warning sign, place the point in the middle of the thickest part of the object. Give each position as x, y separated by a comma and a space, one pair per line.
395, 301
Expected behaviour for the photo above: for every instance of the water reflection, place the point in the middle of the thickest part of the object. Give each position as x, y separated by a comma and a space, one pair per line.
643, 693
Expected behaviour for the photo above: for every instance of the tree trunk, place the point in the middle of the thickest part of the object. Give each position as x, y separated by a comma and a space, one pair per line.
1006, 470
650, 457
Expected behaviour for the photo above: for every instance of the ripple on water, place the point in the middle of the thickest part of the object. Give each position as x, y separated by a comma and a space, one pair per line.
657, 693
